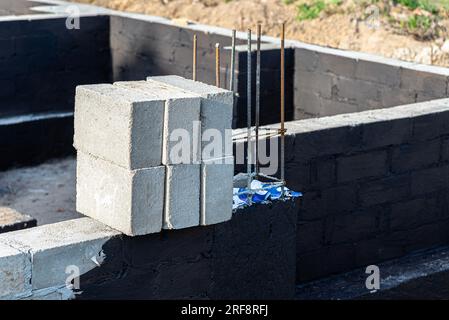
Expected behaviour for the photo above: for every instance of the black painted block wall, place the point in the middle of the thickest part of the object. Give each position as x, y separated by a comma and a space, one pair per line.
33, 142
41, 63
251, 256
270, 86
373, 190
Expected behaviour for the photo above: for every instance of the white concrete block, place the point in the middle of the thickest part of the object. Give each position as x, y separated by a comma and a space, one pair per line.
216, 111
119, 125
182, 116
53, 294
182, 196
129, 201
15, 272
54, 248
216, 190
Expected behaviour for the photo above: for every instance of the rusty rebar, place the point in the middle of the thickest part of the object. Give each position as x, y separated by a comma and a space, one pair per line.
217, 64
248, 111
231, 81
283, 105
259, 32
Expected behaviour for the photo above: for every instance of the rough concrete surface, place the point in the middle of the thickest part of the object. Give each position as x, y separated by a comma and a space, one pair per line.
45, 192
15, 272
181, 112
216, 190
182, 196
129, 201
55, 248
216, 110
120, 125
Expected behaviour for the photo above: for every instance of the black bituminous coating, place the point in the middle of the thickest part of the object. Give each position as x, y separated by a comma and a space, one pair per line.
33, 142
250, 257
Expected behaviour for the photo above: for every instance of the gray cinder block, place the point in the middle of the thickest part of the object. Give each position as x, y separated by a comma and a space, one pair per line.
420, 80
53, 250
119, 125
378, 73
15, 272
182, 196
129, 201
216, 190
216, 109
181, 115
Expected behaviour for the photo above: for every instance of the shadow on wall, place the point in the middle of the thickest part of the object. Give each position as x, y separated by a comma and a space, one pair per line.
251, 256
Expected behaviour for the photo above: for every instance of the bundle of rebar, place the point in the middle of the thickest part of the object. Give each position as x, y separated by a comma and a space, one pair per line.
281, 132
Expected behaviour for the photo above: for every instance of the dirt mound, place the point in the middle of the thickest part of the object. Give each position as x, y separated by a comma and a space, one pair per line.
361, 26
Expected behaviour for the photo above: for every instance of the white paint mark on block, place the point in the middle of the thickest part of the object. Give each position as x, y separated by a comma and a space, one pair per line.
129, 201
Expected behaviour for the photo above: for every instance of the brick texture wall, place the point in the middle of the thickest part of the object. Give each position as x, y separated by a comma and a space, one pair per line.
330, 82
41, 62
375, 183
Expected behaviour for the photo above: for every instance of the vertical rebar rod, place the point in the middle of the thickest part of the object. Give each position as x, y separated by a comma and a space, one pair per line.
231, 83
248, 110
195, 40
259, 31
283, 106
217, 64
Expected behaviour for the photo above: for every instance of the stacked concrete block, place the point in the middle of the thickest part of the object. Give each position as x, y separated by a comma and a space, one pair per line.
217, 165
120, 177
216, 111
119, 125
181, 116
139, 147
216, 190
182, 196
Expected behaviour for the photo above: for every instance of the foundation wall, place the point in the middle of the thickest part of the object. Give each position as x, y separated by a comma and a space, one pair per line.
41, 63
250, 257
375, 186
330, 82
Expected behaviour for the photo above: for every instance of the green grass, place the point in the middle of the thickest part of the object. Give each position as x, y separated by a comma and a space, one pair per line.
309, 11
426, 5
419, 22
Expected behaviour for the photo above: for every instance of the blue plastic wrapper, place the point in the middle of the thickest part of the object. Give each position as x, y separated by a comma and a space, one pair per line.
262, 193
